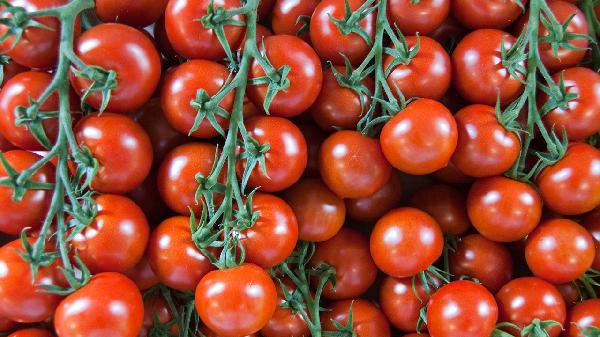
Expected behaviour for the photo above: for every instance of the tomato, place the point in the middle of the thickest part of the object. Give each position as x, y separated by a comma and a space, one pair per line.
285, 323
174, 257
162, 40
338, 107
485, 148
286, 158
406, 241
31, 332
237, 301
314, 138
110, 304
374, 206
367, 320
421, 138
503, 209
352, 165
559, 251
452, 175
572, 185
132, 12
10, 70
570, 293
305, 75
446, 205
142, 274
209, 333
497, 14
462, 309
421, 17
264, 8
21, 298
479, 75
155, 306
122, 148
6, 324
319, 211
180, 87
137, 66
427, 75
580, 118
5, 145
592, 223
284, 18
582, 316
524, 299
190, 38
401, 303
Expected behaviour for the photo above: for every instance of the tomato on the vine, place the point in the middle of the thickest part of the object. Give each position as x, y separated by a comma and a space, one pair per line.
285, 322
401, 302
374, 206
142, 274
446, 204
497, 14
583, 316
10, 70
421, 17
155, 306
289, 16
367, 319
138, 13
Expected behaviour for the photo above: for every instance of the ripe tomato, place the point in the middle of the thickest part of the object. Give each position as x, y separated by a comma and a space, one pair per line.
190, 38
485, 148
179, 89
122, 148
462, 309
570, 293
237, 301
581, 118
503, 209
209, 333
374, 206
31, 210
421, 17
286, 158
155, 306
367, 319
427, 75
406, 241
353, 165
131, 12
142, 274
497, 14
305, 75
285, 322
285, 14
582, 316
446, 205
137, 66
327, 39
572, 185
421, 138
401, 303
314, 137
172, 241
110, 304
592, 223
479, 75
524, 299
452, 175
31, 332
319, 211
10, 70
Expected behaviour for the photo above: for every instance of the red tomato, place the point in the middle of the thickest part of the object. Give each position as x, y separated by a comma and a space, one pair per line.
209, 333
592, 223
285, 323
462, 309
10, 70
582, 316
6, 324
421, 138
367, 320
5, 145
497, 14
314, 138
237, 301
31, 332
406, 241
284, 18
479, 75
353, 165
305, 75
401, 303
421, 17
137, 66
452, 175
503, 209
261, 33
142, 274
374, 206
122, 148
572, 185
155, 306
446, 205
130, 12
570, 293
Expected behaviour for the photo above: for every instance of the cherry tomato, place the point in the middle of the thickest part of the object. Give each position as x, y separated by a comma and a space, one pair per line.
367, 319
374, 206
421, 138
479, 74
497, 14
572, 185
592, 223
582, 316
462, 309
142, 274
446, 205
285, 323
569, 292
31, 332
503, 209
406, 241
401, 303
155, 306
131, 12
286, 13
237, 301
352, 165
305, 75
137, 66
421, 17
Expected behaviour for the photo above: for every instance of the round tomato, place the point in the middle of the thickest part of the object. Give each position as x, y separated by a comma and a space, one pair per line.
31, 332
155, 307
374, 206
286, 13
285, 322
421, 17
583, 316
367, 319
402, 303
446, 205
497, 14
131, 12
142, 274
592, 223
570, 293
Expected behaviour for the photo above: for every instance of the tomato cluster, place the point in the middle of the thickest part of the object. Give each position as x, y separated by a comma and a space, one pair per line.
295, 168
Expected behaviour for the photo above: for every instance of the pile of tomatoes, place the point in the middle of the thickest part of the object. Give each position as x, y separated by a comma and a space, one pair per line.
181, 178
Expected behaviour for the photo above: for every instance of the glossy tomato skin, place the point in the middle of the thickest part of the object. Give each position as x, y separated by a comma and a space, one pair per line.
305, 76
367, 319
122, 148
421, 138
286, 158
137, 66
422, 17
20, 299
398, 235
401, 303
155, 306
496, 14
572, 185
462, 309
581, 118
427, 75
179, 89
327, 39
592, 223
286, 13
319, 211
374, 206
524, 299
285, 323
559, 251
583, 316
31, 332
31, 210
446, 204
133, 12
90, 310
142, 274
503, 209
479, 76
352, 165
237, 301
